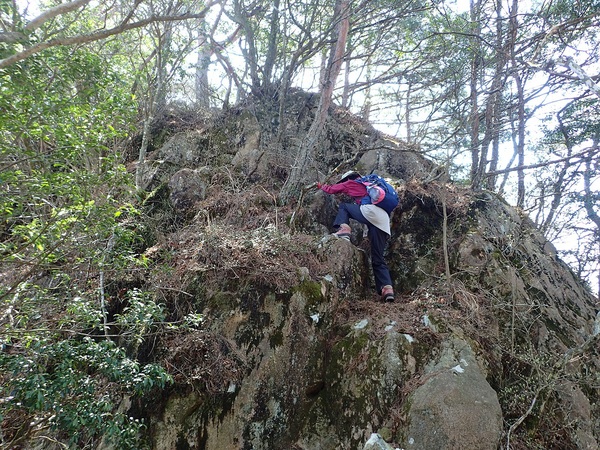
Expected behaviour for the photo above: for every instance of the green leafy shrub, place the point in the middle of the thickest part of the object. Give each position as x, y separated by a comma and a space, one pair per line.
73, 386
67, 225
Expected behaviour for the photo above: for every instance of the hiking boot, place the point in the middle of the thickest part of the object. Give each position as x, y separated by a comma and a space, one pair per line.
387, 294
344, 232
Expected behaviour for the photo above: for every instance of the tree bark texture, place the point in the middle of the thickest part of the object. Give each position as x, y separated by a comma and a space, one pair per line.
332, 70
520, 106
474, 116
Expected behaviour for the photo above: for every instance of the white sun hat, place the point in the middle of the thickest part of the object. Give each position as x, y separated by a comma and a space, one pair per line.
347, 175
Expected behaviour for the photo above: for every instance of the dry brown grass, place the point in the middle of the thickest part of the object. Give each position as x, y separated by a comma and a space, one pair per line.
203, 360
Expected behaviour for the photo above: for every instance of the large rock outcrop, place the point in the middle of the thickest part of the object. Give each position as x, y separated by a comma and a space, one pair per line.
297, 352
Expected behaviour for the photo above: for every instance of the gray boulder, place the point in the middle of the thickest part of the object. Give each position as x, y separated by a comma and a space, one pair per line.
455, 407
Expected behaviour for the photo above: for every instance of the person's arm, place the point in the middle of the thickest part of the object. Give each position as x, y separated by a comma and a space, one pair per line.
350, 187
332, 188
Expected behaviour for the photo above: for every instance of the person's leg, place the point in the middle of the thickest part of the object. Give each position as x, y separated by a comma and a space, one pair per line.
346, 212
381, 271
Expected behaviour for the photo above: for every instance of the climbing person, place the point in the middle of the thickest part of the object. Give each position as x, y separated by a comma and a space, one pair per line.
374, 216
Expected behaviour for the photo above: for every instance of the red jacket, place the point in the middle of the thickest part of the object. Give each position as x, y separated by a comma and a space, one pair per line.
352, 188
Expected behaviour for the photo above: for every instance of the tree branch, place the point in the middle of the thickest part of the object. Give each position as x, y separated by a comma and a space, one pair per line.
543, 164
12, 37
567, 61
100, 34
53, 12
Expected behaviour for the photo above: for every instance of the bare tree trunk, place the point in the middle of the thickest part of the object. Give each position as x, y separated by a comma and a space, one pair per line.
347, 69
286, 80
491, 184
474, 119
155, 99
271, 56
332, 70
140, 169
149, 113
323, 68
162, 72
366, 108
507, 169
588, 199
250, 53
493, 108
521, 142
520, 106
202, 64
232, 77
558, 185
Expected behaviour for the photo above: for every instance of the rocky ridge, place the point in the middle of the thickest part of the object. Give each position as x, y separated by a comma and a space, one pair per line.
295, 351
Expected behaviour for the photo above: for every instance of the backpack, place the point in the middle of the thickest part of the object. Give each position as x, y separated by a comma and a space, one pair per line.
381, 193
